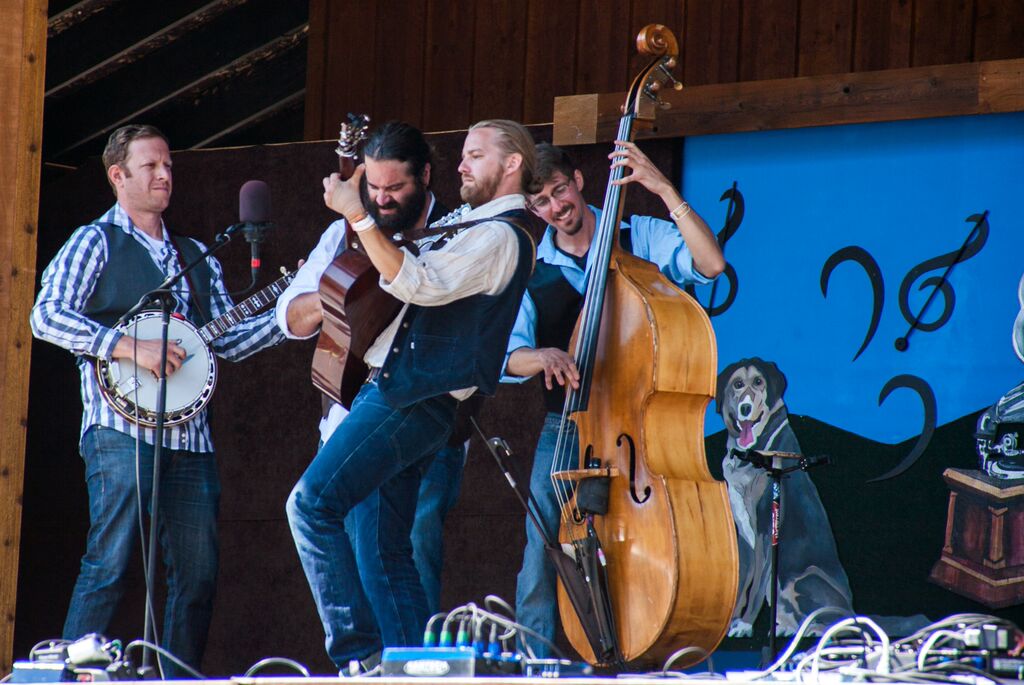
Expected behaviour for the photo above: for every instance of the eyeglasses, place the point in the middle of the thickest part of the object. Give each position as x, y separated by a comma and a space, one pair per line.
542, 202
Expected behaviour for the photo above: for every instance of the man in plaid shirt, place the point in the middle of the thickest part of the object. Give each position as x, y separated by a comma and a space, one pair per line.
102, 271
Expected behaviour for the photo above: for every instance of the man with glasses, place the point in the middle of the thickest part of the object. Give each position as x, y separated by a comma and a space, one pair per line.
684, 249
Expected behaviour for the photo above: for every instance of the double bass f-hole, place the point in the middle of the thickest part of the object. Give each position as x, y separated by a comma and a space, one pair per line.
632, 470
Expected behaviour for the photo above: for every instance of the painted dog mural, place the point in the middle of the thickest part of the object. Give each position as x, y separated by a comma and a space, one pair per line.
749, 398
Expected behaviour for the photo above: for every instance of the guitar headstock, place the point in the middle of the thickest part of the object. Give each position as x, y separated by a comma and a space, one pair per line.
352, 133
643, 96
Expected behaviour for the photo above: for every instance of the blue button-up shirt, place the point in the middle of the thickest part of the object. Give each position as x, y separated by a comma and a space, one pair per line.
655, 240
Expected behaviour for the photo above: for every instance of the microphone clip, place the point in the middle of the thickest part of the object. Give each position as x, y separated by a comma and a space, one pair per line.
254, 231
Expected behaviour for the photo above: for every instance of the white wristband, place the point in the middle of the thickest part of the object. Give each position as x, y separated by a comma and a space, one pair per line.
364, 224
681, 211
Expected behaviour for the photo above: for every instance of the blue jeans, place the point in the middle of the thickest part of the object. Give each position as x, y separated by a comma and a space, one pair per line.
187, 525
536, 598
369, 471
439, 491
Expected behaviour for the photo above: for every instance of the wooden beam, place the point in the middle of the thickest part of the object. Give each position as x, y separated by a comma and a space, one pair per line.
242, 65
855, 98
154, 41
22, 67
75, 15
292, 100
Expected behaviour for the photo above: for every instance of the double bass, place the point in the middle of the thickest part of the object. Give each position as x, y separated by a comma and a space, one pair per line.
664, 549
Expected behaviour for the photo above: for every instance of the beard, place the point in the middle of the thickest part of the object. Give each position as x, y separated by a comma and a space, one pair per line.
406, 215
481, 191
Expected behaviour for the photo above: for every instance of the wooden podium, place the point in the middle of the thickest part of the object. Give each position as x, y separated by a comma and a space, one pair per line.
983, 554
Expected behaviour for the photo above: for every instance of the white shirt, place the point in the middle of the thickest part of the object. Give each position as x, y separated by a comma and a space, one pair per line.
480, 260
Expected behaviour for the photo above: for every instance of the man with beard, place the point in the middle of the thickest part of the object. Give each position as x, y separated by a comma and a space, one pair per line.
686, 251
461, 290
396, 195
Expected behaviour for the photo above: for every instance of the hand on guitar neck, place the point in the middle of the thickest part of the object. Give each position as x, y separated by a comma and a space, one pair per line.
146, 354
343, 197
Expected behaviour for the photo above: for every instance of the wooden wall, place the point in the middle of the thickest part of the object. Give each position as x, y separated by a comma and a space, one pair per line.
22, 60
443, 64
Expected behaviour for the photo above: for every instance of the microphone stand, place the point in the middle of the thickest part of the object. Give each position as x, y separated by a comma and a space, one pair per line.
163, 294
771, 462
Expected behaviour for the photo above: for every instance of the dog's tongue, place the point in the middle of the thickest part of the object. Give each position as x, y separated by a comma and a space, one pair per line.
746, 438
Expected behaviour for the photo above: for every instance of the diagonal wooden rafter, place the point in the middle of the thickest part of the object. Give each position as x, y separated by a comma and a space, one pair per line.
147, 45
265, 113
246, 62
74, 15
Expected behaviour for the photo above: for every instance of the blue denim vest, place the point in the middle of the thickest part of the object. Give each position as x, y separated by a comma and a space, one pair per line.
130, 273
457, 345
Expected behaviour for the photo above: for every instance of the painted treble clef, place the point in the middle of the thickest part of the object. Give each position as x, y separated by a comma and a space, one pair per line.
972, 245
733, 219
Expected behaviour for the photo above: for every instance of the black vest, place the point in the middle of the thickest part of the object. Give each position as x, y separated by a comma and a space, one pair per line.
130, 273
458, 345
558, 306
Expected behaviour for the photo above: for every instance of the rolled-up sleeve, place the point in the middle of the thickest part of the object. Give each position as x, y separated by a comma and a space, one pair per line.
479, 260
67, 284
524, 334
307, 279
659, 241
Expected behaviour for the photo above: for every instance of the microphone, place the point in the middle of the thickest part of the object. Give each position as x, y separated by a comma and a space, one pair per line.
254, 218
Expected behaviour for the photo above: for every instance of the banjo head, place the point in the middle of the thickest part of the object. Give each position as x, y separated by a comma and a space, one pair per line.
132, 390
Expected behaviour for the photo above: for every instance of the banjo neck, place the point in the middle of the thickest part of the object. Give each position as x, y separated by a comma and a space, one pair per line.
244, 309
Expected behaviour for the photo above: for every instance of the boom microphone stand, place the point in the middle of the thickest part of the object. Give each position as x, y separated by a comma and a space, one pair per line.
772, 462
163, 294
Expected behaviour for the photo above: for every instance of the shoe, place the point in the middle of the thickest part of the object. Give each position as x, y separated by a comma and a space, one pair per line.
366, 667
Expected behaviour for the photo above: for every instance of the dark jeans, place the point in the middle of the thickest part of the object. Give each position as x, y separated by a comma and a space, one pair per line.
536, 597
369, 471
439, 491
187, 525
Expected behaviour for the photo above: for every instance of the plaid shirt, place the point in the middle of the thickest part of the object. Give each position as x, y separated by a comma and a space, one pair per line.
67, 285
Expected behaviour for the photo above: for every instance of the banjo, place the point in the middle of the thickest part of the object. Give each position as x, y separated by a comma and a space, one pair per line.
132, 390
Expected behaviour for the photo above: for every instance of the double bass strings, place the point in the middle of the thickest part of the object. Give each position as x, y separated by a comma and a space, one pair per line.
566, 456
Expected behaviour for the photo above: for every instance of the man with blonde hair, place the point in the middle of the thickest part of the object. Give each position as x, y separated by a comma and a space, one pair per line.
462, 292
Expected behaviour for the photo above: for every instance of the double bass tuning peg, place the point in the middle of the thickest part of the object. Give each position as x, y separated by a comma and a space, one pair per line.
667, 75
